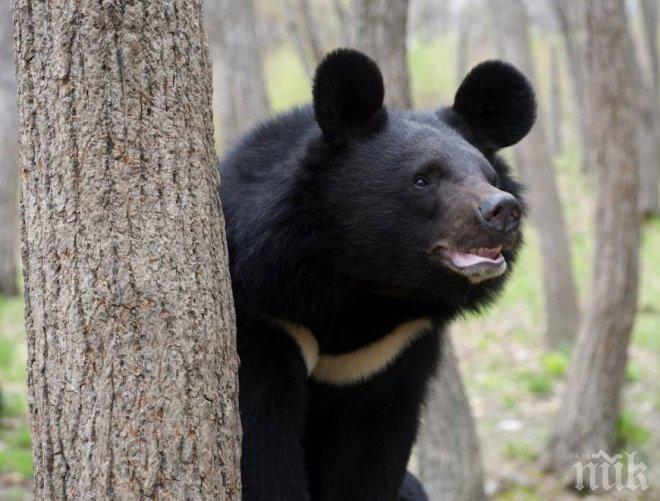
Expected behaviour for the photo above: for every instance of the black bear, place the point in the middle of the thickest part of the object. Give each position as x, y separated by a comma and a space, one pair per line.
355, 234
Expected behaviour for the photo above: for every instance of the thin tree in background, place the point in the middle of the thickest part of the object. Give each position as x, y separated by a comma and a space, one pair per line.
648, 136
380, 32
570, 17
427, 18
465, 25
649, 10
448, 444
648, 126
342, 19
586, 421
555, 116
243, 99
301, 26
130, 324
311, 33
8, 159
534, 162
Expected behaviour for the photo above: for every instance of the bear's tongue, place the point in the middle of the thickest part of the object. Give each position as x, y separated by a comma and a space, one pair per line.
463, 259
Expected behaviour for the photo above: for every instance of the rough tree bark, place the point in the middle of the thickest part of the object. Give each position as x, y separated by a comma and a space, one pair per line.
534, 163
380, 31
586, 420
555, 115
8, 159
243, 99
570, 16
448, 445
130, 323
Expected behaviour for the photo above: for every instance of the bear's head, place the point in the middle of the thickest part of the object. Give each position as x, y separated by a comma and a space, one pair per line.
419, 204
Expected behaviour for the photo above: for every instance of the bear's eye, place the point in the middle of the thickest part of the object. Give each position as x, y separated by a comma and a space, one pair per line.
421, 182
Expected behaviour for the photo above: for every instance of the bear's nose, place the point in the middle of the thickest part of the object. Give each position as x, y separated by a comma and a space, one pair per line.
500, 212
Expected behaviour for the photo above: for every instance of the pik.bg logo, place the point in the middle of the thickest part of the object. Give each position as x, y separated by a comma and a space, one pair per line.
610, 472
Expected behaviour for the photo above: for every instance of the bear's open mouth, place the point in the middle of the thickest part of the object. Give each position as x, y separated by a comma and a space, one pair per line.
477, 263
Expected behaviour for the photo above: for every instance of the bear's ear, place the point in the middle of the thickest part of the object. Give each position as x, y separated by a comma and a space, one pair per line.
497, 102
348, 95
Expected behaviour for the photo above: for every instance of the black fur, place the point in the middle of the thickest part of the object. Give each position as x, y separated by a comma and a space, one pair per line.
348, 92
497, 102
329, 228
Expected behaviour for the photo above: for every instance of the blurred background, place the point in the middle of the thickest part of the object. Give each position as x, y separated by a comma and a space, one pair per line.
505, 384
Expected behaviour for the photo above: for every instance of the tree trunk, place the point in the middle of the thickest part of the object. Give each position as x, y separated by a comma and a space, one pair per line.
8, 159
648, 138
448, 445
311, 32
570, 16
243, 99
293, 26
463, 44
535, 166
586, 420
130, 323
648, 128
650, 18
381, 33
555, 114
344, 24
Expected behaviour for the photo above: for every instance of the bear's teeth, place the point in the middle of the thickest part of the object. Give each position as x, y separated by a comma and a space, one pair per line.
488, 252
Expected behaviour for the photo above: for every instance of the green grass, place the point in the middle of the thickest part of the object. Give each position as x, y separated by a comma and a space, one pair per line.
510, 401
14, 404
629, 432
633, 372
11, 313
536, 383
6, 354
519, 451
16, 452
519, 493
15, 448
555, 363
21, 438
647, 324
12, 345
16, 460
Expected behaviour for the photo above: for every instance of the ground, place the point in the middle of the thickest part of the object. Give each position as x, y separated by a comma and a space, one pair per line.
513, 382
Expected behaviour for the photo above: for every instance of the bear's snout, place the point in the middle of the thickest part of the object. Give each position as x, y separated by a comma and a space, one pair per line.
500, 212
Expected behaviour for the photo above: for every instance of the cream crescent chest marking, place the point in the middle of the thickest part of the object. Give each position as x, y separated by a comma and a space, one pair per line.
309, 346
358, 365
